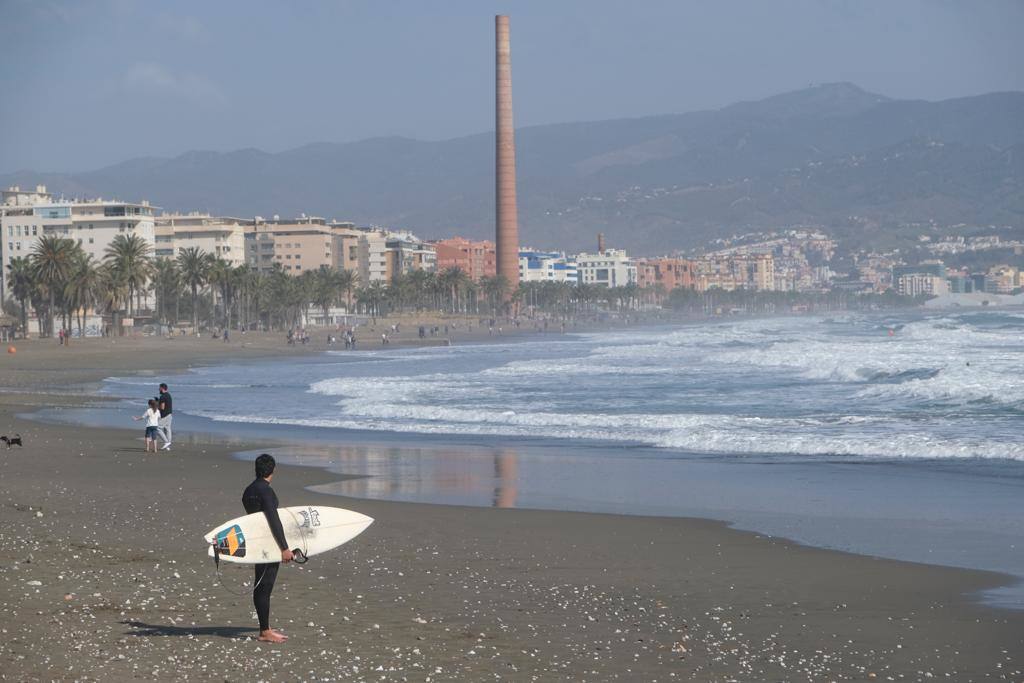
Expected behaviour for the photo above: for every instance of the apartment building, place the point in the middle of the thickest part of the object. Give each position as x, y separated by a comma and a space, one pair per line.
476, 259
916, 284
372, 257
221, 236
749, 271
547, 266
607, 268
406, 253
27, 215
669, 273
297, 246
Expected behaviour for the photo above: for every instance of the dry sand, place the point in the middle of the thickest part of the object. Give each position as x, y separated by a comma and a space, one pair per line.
104, 575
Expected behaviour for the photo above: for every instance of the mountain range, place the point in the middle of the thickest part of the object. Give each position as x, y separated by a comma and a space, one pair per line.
833, 155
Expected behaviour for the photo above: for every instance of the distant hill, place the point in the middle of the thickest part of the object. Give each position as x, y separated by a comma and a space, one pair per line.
833, 155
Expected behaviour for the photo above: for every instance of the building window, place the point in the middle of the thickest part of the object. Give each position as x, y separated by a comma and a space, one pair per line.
90, 240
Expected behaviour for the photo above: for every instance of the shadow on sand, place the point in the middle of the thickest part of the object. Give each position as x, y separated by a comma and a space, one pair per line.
140, 628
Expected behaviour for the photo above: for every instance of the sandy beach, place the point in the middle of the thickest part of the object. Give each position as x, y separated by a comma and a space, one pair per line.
105, 575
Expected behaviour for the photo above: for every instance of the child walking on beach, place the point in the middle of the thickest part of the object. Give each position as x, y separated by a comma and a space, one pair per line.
152, 418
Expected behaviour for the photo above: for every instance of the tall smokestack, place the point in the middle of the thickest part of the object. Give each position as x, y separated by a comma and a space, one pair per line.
600, 243
506, 214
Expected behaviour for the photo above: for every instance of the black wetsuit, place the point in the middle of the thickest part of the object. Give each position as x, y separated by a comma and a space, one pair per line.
260, 497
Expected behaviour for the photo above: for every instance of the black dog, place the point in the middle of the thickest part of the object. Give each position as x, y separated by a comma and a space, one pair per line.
12, 441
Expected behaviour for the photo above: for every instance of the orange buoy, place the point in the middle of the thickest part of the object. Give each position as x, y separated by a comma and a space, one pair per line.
11, 350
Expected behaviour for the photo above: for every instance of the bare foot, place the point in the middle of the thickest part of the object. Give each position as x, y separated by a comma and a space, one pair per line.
272, 636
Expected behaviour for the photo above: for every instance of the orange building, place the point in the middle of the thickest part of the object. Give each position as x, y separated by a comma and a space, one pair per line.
476, 259
670, 273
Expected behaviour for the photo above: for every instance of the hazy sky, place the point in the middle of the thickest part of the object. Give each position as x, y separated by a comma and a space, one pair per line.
87, 83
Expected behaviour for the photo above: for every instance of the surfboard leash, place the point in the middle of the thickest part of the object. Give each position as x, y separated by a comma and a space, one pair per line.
299, 557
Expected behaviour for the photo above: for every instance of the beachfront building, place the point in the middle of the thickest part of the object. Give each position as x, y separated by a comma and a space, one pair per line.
606, 268
731, 272
668, 273
296, 245
25, 216
406, 253
916, 284
757, 271
476, 259
547, 266
1003, 279
373, 257
302, 244
223, 237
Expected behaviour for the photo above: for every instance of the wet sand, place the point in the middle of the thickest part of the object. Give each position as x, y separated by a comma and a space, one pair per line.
104, 575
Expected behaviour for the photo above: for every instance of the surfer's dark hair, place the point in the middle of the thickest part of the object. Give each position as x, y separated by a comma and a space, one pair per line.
265, 466
163, 385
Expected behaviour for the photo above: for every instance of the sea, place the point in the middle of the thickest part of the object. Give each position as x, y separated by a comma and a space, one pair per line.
898, 435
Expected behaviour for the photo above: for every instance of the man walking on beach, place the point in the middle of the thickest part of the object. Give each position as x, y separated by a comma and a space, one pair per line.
166, 415
260, 497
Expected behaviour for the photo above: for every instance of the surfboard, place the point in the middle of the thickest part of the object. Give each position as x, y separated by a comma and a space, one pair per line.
313, 529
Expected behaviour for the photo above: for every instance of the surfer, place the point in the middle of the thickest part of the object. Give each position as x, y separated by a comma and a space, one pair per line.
260, 497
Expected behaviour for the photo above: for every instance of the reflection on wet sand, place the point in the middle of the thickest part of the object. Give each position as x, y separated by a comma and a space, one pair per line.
464, 476
506, 477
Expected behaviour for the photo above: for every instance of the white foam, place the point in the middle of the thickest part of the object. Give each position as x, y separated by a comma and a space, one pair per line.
905, 395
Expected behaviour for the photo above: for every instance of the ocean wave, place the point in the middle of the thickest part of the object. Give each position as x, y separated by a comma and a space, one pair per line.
723, 435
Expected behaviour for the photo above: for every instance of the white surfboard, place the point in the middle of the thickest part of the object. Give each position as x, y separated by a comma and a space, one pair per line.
310, 528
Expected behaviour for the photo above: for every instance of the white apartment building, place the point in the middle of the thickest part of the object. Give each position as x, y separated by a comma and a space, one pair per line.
915, 284
372, 257
408, 253
547, 266
25, 216
223, 237
608, 268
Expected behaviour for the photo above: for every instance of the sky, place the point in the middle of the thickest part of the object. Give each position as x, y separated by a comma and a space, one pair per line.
89, 83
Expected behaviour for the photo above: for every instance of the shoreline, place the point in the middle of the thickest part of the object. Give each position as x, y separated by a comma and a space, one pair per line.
355, 475
475, 592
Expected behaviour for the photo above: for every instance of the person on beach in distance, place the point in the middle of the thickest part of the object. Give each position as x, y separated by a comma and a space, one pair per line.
164, 403
152, 418
260, 497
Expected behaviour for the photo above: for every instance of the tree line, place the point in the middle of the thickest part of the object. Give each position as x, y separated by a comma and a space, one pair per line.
61, 282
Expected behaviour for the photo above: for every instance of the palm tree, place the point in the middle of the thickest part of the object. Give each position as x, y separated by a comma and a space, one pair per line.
347, 280
326, 289
21, 281
83, 289
455, 280
242, 277
52, 260
113, 293
194, 266
258, 289
371, 298
166, 282
222, 275
129, 255
495, 288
